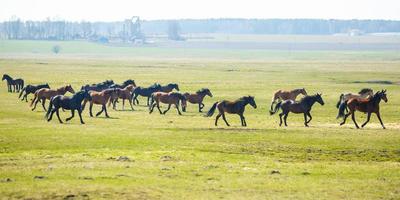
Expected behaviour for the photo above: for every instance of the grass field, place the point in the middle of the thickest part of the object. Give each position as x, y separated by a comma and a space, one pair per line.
187, 157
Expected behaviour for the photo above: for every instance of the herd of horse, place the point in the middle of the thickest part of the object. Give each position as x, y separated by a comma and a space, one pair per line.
110, 93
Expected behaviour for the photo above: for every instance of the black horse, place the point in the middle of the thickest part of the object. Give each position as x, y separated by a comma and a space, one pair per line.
99, 86
69, 103
232, 107
169, 87
303, 106
31, 89
17, 84
124, 84
146, 92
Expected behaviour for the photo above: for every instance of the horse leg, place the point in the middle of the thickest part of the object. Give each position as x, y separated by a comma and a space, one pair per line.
353, 117
58, 116
130, 103
177, 108
216, 119
80, 116
344, 118
201, 106
13, 88
148, 101
223, 117
51, 114
105, 110
25, 97
123, 104
368, 118
380, 120
305, 120
72, 115
169, 106
36, 102
280, 118
309, 115
285, 118
242, 120
152, 108
90, 109
43, 104
102, 109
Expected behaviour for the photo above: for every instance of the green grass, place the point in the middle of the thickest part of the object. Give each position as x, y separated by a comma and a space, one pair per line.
186, 157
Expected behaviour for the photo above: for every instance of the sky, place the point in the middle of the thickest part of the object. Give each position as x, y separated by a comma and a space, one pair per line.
117, 10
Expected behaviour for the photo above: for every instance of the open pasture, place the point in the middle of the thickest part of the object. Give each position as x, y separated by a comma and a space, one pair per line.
171, 156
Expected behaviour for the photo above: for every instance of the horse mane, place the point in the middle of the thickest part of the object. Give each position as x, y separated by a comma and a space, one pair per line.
297, 89
365, 90
201, 90
155, 85
177, 94
307, 97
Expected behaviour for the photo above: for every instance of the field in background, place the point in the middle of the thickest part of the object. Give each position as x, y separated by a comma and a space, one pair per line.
185, 156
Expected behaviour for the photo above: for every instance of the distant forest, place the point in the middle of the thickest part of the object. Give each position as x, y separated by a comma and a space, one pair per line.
133, 29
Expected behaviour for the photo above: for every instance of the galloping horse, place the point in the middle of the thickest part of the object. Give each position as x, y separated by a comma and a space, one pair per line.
16, 84
287, 95
31, 89
45, 93
99, 86
368, 106
363, 94
69, 103
146, 92
167, 98
303, 106
100, 98
169, 87
123, 94
124, 84
232, 107
197, 98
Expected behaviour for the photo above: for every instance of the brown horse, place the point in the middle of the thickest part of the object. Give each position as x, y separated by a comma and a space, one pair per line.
125, 93
368, 106
46, 93
232, 107
287, 95
167, 98
169, 87
363, 94
303, 106
197, 98
100, 98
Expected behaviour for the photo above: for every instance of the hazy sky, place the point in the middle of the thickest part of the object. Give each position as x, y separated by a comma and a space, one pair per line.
117, 10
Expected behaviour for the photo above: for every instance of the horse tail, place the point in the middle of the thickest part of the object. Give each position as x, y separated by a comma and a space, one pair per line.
342, 108
50, 107
212, 110
340, 100
34, 99
134, 91
22, 91
278, 105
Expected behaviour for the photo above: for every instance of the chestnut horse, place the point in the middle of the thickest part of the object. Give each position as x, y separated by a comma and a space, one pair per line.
123, 94
167, 98
169, 87
287, 95
197, 98
100, 98
368, 106
46, 93
363, 94
303, 106
232, 107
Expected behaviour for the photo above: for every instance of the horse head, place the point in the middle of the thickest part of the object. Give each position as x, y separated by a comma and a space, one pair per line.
250, 100
69, 89
318, 98
303, 91
383, 96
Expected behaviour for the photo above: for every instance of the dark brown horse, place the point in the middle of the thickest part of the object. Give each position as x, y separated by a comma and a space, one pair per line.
17, 84
125, 93
45, 93
368, 106
167, 98
31, 89
287, 95
100, 98
169, 87
232, 107
303, 106
197, 98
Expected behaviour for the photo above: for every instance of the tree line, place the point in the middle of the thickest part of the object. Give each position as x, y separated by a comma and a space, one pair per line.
66, 30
